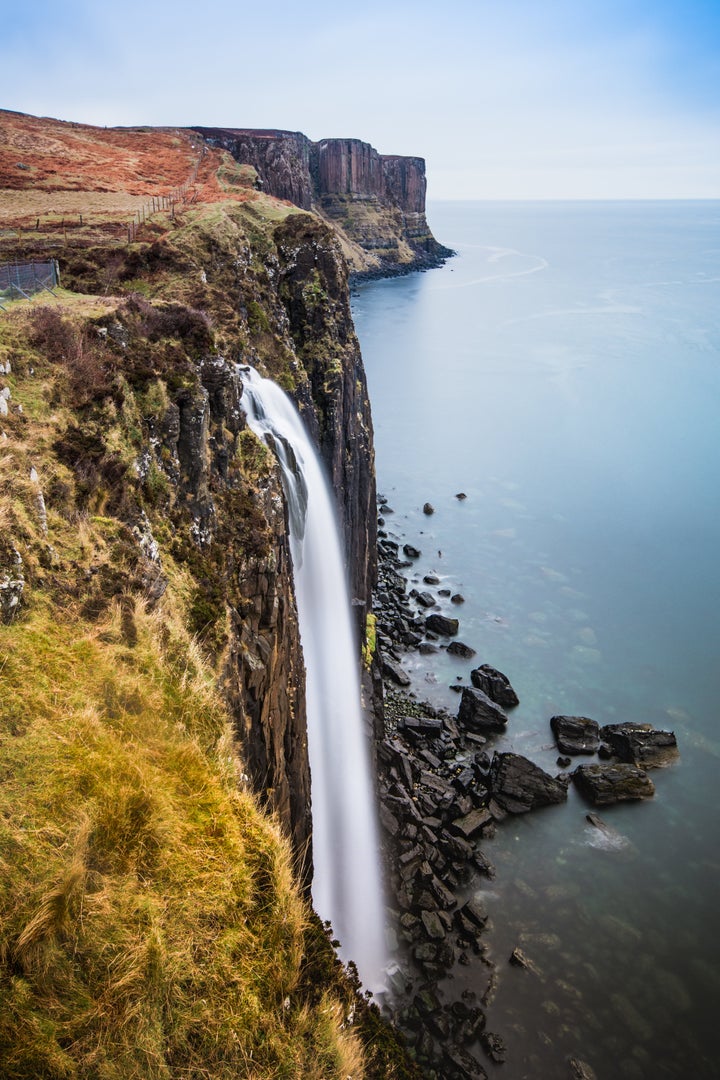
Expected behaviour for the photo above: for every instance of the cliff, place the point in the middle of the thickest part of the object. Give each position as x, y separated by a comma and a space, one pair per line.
375, 202
153, 704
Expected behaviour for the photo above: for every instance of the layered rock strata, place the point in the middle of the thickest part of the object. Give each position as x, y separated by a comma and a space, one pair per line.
376, 201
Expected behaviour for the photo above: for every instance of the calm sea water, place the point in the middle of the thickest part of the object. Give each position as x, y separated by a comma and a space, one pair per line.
564, 372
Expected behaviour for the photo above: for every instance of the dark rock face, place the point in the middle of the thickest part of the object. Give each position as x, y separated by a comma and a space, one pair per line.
478, 713
576, 734
605, 784
281, 159
519, 785
496, 685
378, 201
639, 744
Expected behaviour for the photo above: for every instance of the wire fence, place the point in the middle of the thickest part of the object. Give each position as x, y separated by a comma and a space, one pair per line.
27, 278
124, 231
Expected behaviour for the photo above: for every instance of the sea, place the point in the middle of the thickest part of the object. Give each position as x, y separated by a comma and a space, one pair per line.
562, 372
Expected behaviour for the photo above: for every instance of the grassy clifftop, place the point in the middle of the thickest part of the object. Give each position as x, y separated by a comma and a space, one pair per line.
151, 924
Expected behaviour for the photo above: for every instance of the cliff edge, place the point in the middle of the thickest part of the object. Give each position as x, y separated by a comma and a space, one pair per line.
375, 202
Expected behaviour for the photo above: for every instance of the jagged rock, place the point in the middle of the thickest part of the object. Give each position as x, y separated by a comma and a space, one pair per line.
519, 785
581, 1070
428, 509
474, 913
479, 713
493, 1046
473, 823
641, 745
411, 552
576, 734
433, 925
431, 726
519, 959
441, 624
395, 672
459, 648
604, 784
467, 1065
564, 762
12, 585
425, 599
496, 685
427, 648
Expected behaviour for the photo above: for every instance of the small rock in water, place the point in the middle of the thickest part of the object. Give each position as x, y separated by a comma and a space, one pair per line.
519, 959
428, 509
457, 599
441, 624
496, 685
461, 495
519, 785
459, 648
410, 551
479, 713
581, 1070
431, 579
604, 784
576, 734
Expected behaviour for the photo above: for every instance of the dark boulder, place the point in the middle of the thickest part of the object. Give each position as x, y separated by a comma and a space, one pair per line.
457, 598
395, 672
440, 624
496, 685
641, 744
479, 713
428, 508
411, 552
519, 785
461, 495
431, 578
459, 648
604, 784
425, 599
576, 734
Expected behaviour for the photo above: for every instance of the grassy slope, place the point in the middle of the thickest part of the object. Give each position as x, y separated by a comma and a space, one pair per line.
149, 921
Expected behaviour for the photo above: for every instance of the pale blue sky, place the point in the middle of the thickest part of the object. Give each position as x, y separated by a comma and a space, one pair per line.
504, 98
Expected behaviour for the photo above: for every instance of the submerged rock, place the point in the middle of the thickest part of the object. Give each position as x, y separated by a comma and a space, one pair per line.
604, 784
496, 685
519, 785
576, 734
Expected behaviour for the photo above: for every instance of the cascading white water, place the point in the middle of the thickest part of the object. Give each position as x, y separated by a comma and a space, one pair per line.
347, 886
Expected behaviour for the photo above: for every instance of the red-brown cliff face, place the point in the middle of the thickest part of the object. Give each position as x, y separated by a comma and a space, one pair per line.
375, 201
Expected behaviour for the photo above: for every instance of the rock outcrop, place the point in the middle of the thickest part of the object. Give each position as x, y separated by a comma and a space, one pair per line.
375, 201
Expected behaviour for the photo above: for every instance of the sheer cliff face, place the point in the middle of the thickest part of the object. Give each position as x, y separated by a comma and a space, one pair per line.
376, 202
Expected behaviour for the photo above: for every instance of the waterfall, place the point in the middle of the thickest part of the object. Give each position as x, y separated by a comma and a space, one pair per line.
347, 880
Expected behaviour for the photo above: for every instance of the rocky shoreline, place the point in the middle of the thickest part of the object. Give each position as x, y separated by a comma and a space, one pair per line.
443, 791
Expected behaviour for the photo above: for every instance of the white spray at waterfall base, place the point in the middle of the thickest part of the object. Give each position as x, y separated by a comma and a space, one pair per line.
347, 887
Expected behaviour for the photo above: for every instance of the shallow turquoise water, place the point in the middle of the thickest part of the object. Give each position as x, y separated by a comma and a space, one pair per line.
564, 372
